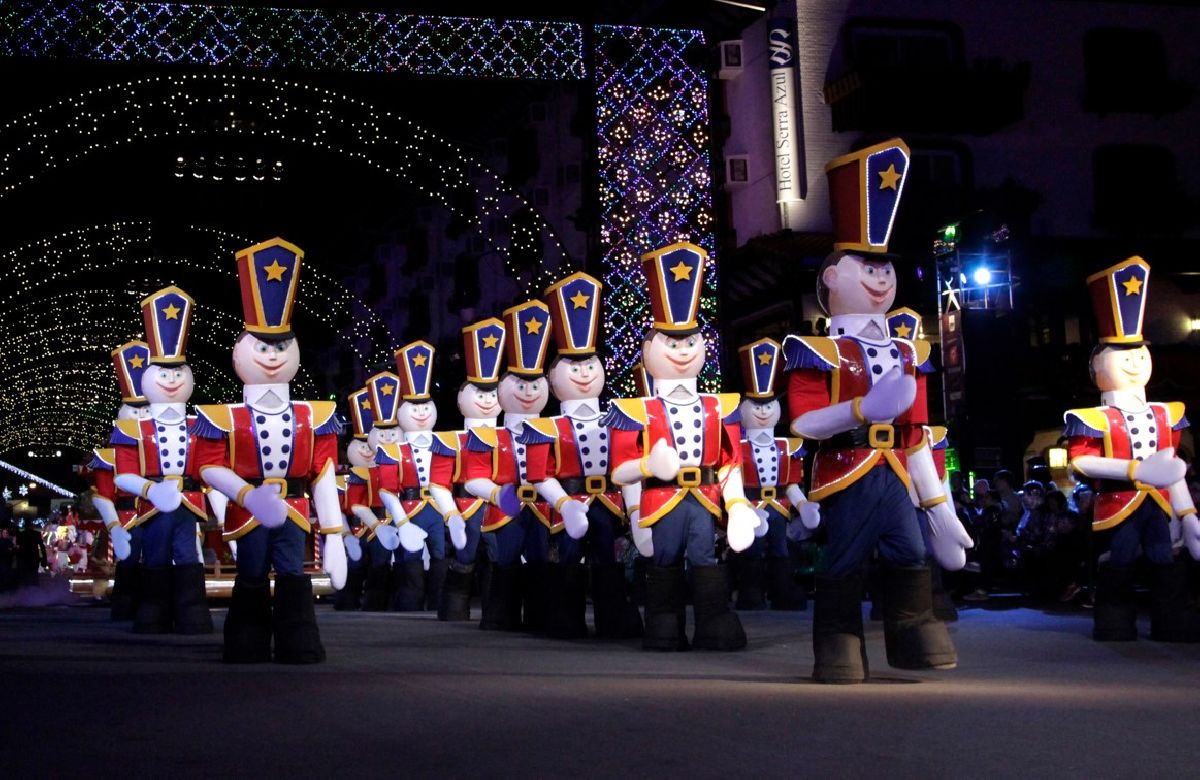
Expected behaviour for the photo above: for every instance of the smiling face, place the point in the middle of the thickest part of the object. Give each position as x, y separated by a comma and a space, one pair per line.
523, 394
474, 401
360, 453
573, 380
168, 384
860, 285
378, 436
417, 416
759, 414
128, 412
259, 362
1122, 369
673, 357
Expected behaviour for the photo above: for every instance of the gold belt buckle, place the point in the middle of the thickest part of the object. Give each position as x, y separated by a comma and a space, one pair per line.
176, 478
278, 481
767, 493
595, 484
688, 477
527, 494
425, 493
881, 436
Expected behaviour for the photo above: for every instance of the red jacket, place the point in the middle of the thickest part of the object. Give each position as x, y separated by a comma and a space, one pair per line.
137, 447
553, 452
790, 459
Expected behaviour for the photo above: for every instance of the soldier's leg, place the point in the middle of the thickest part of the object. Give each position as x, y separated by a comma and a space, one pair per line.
127, 579
566, 587
455, 605
375, 598
1114, 618
1172, 616
248, 622
430, 521
294, 620
785, 593
502, 597
748, 570
717, 626
666, 585
615, 616
190, 599
153, 614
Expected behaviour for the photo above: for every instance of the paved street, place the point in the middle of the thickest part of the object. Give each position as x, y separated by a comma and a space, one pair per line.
404, 695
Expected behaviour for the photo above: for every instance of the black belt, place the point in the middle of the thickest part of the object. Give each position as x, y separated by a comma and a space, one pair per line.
1118, 486
186, 484
460, 491
295, 487
880, 436
584, 486
414, 494
689, 476
762, 493
125, 504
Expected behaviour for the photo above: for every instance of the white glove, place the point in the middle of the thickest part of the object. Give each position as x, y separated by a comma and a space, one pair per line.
334, 560
796, 531
265, 504
643, 538
761, 530
353, 547
412, 537
574, 515
164, 495
739, 530
1162, 469
1191, 534
663, 461
888, 398
458, 530
120, 542
388, 536
810, 514
948, 540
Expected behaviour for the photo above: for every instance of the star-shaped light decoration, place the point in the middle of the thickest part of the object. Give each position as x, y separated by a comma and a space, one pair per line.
682, 272
419, 360
890, 178
580, 300
23, 490
7, 494
136, 361
1132, 285
275, 271
902, 331
490, 341
533, 326
172, 312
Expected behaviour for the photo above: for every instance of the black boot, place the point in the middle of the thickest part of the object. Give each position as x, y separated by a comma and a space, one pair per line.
127, 585
349, 598
614, 615
533, 597
786, 594
751, 579
375, 598
666, 619
838, 647
410, 587
191, 600
503, 601
1172, 617
154, 611
914, 638
455, 605
248, 623
943, 604
1115, 614
637, 587
297, 640
717, 626
566, 594
434, 583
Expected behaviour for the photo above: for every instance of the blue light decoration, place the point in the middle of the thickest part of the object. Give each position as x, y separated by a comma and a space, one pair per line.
653, 160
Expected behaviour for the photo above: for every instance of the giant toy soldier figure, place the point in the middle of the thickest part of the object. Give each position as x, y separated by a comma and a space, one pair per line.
483, 351
684, 448
156, 460
354, 497
772, 472
861, 394
1126, 448
568, 459
268, 454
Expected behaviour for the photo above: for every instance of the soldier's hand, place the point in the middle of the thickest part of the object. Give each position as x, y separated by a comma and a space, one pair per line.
265, 504
1162, 469
948, 540
120, 542
412, 537
388, 536
353, 547
739, 531
333, 560
663, 461
889, 397
165, 496
761, 530
643, 538
574, 515
458, 531
810, 514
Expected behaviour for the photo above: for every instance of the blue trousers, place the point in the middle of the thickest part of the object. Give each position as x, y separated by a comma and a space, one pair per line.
1148, 529
524, 535
874, 512
380, 555
466, 556
775, 543
136, 535
169, 537
597, 545
430, 521
282, 548
687, 531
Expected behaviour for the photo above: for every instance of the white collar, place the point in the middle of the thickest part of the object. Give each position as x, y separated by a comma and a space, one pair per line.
856, 324
580, 408
1125, 400
169, 413
271, 398
679, 390
760, 435
515, 421
478, 422
421, 439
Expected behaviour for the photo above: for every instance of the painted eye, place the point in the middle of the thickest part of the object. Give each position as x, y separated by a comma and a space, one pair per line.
261, 347
870, 270
691, 342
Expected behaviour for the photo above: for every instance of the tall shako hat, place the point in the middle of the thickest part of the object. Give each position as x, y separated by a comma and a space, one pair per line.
483, 347
762, 363
362, 416
528, 336
1118, 295
167, 315
414, 364
904, 323
130, 361
643, 381
864, 195
674, 277
575, 310
385, 399
269, 275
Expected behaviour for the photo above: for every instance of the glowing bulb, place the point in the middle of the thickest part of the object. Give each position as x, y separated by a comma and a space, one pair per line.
982, 276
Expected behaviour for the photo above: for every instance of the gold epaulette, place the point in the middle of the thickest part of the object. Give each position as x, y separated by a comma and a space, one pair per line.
220, 415
922, 349
488, 436
544, 426
728, 403
633, 408
322, 412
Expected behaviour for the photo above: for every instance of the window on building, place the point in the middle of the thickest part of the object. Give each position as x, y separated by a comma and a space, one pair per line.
1136, 188
1125, 70
940, 167
886, 44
